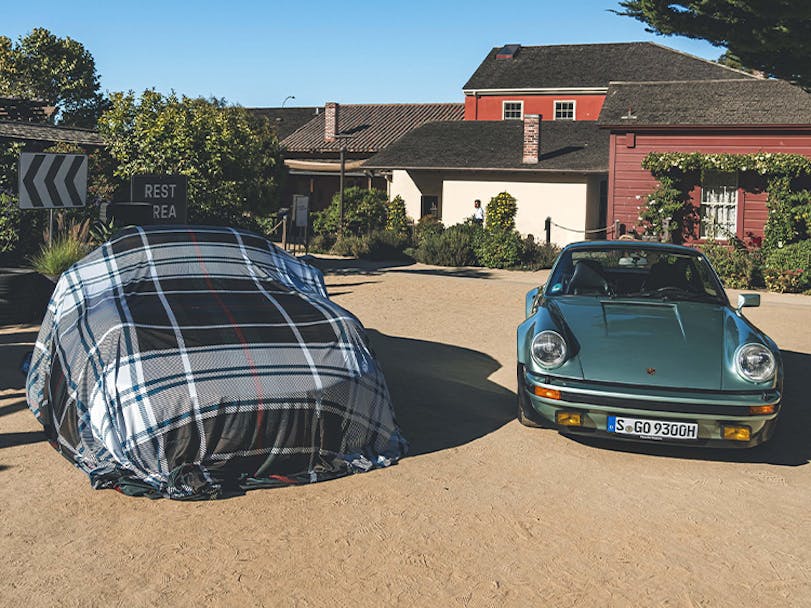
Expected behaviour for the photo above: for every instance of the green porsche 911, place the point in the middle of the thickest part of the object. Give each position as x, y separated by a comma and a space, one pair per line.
638, 341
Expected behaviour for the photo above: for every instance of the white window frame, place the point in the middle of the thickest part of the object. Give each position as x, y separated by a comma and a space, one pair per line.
562, 101
504, 109
719, 205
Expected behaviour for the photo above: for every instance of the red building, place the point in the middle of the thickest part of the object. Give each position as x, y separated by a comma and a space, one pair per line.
731, 117
570, 81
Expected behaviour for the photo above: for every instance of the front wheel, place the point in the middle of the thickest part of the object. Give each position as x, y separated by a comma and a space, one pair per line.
526, 413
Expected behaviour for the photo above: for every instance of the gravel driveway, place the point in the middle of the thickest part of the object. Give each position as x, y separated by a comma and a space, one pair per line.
484, 512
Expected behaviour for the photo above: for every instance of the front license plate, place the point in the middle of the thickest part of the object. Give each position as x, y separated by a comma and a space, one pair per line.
652, 429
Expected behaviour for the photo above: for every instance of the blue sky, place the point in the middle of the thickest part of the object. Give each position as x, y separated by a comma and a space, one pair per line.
258, 53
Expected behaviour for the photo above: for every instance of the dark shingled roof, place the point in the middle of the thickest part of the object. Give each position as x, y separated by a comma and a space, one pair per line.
370, 128
30, 131
592, 65
286, 120
718, 102
497, 144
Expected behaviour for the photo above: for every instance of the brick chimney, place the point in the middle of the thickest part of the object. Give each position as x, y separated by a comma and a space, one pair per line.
532, 138
330, 121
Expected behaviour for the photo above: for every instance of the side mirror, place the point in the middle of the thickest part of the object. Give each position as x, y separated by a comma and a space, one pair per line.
748, 300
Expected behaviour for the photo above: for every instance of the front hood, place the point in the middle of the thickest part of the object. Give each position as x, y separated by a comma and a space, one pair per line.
667, 344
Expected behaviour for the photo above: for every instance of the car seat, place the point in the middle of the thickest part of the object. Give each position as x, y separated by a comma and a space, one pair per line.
588, 279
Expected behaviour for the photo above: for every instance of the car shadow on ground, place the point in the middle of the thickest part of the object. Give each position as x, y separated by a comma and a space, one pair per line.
441, 394
352, 266
790, 445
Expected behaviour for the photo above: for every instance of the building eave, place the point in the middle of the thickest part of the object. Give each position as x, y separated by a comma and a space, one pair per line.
629, 126
538, 91
492, 169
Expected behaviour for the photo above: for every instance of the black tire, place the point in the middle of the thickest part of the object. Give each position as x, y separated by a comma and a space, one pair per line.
526, 413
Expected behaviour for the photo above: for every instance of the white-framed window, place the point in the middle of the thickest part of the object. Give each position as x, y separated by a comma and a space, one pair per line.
512, 110
719, 205
565, 110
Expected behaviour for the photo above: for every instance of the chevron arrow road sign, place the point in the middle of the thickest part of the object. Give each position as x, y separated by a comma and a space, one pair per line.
52, 181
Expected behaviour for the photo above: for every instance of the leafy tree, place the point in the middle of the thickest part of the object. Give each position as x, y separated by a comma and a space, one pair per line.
57, 70
232, 159
733, 61
772, 36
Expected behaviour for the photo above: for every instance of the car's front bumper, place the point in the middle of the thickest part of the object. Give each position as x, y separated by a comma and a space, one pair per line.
711, 410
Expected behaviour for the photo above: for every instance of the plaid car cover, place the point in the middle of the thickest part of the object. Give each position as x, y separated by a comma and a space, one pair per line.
188, 361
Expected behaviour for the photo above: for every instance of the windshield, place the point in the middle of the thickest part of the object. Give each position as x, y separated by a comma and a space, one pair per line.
634, 272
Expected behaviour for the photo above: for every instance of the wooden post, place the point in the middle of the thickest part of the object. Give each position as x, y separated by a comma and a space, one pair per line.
284, 232
547, 226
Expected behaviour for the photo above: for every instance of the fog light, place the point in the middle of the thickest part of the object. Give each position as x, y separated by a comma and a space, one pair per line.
569, 418
736, 433
549, 393
761, 410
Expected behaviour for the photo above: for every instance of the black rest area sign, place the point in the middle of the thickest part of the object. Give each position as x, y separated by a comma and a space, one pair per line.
165, 194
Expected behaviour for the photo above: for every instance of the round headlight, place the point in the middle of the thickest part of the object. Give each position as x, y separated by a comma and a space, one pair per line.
549, 349
755, 362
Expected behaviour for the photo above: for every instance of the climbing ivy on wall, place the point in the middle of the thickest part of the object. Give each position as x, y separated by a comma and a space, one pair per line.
789, 219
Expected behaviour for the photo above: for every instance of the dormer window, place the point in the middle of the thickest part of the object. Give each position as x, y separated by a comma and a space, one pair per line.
564, 110
512, 110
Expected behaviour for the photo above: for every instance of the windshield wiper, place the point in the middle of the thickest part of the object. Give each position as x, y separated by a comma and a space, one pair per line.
672, 293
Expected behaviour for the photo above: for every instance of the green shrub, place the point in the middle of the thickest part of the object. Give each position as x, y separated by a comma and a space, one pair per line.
784, 281
321, 243
377, 245
794, 259
428, 226
386, 245
535, 255
497, 249
501, 212
396, 219
452, 247
737, 266
364, 211
350, 245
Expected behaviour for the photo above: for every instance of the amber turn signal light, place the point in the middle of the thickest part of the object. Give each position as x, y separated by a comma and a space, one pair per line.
761, 410
549, 393
736, 433
569, 418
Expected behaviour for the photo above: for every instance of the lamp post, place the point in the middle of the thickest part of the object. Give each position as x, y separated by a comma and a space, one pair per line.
286, 98
342, 157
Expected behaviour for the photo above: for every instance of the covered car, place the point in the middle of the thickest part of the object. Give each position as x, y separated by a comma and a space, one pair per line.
191, 362
638, 341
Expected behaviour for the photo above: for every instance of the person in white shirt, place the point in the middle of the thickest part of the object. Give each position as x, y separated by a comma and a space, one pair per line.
478, 212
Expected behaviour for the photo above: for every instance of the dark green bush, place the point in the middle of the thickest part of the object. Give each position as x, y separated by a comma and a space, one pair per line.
385, 245
428, 226
535, 255
321, 243
738, 266
377, 245
791, 266
452, 247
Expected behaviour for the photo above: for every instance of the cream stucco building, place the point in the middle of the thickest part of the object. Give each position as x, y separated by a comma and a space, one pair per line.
442, 167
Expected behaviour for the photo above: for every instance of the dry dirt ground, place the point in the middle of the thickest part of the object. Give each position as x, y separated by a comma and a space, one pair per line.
484, 512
